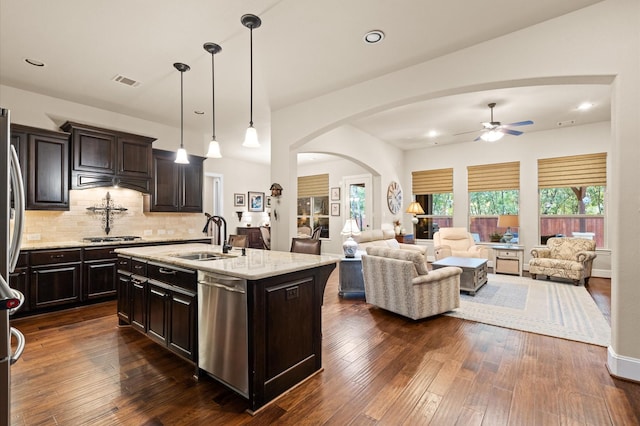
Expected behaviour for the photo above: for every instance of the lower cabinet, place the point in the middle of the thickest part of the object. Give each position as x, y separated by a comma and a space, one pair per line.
100, 272
56, 279
163, 305
253, 235
19, 279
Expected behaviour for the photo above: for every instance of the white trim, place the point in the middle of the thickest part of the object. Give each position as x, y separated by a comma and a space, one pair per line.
622, 366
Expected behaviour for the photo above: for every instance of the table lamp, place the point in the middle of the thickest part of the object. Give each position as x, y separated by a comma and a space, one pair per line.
415, 208
350, 246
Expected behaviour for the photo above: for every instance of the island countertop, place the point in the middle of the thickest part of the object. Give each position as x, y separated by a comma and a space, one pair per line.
256, 264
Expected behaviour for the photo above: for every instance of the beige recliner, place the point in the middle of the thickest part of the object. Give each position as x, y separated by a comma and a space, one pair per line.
457, 242
564, 257
398, 280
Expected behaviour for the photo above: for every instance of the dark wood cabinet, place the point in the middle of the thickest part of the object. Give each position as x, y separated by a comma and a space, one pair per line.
157, 313
19, 279
44, 159
103, 157
253, 236
176, 187
100, 272
183, 326
56, 279
138, 291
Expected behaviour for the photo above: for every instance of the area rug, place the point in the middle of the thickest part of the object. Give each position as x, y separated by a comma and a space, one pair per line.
551, 308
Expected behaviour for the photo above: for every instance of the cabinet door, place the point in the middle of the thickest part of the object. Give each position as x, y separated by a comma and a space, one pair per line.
124, 299
19, 279
134, 157
191, 185
157, 314
138, 303
166, 187
182, 325
48, 181
53, 285
20, 141
100, 278
94, 151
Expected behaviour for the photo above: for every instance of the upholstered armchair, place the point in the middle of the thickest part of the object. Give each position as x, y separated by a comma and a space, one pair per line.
564, 257
457, 242
399, 281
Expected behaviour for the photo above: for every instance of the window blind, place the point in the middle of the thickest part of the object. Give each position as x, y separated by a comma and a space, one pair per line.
313, 186
432, 181
494, 177
573, 171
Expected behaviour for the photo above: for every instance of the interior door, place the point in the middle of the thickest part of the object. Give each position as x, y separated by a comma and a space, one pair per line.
358, 200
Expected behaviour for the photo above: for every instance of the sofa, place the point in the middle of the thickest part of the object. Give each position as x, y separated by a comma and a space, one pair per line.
564, 257
457, 242
384, 238
399, 281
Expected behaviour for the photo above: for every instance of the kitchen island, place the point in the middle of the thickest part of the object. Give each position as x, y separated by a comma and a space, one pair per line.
251, 321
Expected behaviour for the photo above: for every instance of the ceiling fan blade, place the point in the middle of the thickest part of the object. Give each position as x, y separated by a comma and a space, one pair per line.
511, 132
466, 133
477, 139
520, 123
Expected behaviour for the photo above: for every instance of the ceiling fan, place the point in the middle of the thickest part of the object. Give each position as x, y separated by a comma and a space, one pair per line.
494, 130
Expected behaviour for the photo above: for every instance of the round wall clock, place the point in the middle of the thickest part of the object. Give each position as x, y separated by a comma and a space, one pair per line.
394, 197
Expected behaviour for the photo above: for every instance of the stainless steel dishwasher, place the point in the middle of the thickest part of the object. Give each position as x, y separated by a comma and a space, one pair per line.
222, 329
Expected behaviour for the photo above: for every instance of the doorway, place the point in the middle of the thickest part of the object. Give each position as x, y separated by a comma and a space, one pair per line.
358, 200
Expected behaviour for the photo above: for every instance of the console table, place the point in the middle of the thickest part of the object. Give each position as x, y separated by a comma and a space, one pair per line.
508, 259
351, 278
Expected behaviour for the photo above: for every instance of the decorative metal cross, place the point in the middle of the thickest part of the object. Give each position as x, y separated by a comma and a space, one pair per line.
107, 209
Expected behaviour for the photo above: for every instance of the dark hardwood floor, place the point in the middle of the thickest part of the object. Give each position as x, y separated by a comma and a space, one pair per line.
80, 368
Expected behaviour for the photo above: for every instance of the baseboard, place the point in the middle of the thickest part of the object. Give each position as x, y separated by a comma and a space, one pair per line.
623, 367
601, 273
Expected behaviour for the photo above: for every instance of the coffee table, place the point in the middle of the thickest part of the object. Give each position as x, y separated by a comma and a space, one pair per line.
474, 271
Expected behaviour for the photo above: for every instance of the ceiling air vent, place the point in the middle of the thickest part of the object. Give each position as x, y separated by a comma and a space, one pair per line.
566, 123
126, 81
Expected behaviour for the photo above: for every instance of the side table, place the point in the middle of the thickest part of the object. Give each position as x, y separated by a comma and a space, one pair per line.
509, 259
351, 278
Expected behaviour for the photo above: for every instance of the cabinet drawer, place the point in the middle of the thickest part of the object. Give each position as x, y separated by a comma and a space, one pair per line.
173, 275
139, 266
507, 253
23, 259
47, 257
124, 264
100, 253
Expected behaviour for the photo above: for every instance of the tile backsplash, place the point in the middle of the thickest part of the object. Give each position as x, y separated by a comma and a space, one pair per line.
78, 222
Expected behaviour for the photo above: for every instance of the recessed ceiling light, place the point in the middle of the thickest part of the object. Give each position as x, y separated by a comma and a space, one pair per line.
34, 62
432, 133
373, 37
585, 106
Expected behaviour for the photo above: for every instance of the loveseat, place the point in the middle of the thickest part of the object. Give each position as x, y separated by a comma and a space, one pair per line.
457, 242
384, 238
564, 257
399, 281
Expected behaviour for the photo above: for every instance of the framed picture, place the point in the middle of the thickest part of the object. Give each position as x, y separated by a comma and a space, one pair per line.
256, 201
269, 200
335, 209
238, 199
335, 194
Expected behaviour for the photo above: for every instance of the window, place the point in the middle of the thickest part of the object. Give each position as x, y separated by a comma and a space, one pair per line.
433, 189
313, 204
571, 194
494, 190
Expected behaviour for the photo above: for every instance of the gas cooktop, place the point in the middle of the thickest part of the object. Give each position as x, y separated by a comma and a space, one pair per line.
110, 239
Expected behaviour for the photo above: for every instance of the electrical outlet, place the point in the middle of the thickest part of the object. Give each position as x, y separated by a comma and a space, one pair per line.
162, 231
291, 293
147, 232
33, 237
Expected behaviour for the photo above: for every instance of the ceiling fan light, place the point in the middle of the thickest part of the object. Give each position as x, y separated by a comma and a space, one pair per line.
214, 149
251, 138
492, 136
181, 156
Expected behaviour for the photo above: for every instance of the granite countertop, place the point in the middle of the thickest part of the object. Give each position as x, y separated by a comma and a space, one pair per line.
40, 245
256, 264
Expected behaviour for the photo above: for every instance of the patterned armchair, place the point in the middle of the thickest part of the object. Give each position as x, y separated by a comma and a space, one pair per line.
564, 257
398, 280
457, 242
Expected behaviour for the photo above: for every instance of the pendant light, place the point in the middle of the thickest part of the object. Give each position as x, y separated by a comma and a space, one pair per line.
251, 137
181, 156
214, 146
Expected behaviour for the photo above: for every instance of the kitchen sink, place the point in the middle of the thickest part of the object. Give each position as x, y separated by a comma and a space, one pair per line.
204, 255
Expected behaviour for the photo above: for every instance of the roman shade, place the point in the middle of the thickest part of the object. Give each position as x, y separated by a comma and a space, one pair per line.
494, 177
313, 186
573, 171
432, 181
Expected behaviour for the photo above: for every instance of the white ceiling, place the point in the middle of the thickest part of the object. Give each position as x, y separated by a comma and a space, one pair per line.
303, 49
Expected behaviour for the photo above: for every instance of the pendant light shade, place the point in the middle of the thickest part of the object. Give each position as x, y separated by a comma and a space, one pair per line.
181, 156
214, 146
251, 137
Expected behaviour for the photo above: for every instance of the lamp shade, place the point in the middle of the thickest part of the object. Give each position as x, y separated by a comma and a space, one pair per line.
251, 138
492, 136
181, 156
415, 208
214, 149
508, 221
350, 228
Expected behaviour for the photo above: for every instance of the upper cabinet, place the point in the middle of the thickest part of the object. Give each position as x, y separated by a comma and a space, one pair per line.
44, 159
176, 187
102, 157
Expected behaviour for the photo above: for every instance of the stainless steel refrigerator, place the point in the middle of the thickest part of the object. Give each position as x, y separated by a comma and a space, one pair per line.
11, 226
